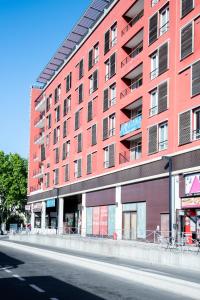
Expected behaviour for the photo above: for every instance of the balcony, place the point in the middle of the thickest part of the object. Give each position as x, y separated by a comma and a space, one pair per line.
40, 121
131, 125
133, 15
132, 150
38, 173
134, 80
40, 104
39, 139
133, 48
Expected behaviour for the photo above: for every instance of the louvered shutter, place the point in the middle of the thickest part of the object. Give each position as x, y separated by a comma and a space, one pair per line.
94, 134
185, 128
54, 136
89, 163
105, 100
153, 139
56, 155
186, 41
67, 83
187, 6
66, 173
153, 28
58, 113
79, 168
111, 155
77, 120
163, 58
43, 157
80, 93
90, 59
196, 78
79, 140
112, 65
81, 69
95, 80
107, 42
64, 129
89, 111
105, 128
162, 97
65, 107
64, 151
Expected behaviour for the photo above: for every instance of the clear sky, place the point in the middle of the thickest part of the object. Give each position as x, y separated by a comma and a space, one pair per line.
30, 33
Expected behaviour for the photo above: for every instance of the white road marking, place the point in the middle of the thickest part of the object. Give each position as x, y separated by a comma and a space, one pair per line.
18, 277
7, 271
37, 288
53, 299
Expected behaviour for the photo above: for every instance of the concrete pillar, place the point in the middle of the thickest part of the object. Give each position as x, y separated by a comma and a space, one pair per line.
176, 202
32, 217
60, 215
118, 214
43, 215
83, 217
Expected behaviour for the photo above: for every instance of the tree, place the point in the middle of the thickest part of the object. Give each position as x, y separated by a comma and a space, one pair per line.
13, 184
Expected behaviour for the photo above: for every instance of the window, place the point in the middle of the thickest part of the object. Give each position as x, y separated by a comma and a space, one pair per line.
109, 97
80, 74
68, 82
77, 120
93, 82
164, 20
109, 126
109, 156
195, 78
93, 56
185, 127
80, 93
68, 148
49, 121
110, 38
160, 19
66, 173
67, 106
96, 53
163, 136
77, 168
196, 131
94, 135
159, 61
89, 164
79, 142
48, 103
57, 113
65, 150
154, 103
56, 176
113, 35
56, 135
135, 149
47, 180
186, 40
158, 137
154, 2
110, 66
153, 28
57, 94
90, 111
159, 100
112, 121
186, 7
56, 155
113, 94
64, 128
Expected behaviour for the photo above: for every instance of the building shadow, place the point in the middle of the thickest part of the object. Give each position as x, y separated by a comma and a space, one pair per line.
9, 262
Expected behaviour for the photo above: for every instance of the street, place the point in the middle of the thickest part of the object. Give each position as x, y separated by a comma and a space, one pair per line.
28, 276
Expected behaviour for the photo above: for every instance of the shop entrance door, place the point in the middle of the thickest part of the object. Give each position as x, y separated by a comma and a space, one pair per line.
129, 225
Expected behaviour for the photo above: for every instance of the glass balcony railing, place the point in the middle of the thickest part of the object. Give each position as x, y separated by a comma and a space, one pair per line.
131, 125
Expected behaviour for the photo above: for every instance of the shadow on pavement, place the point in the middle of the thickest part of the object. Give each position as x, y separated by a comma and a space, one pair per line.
9, 262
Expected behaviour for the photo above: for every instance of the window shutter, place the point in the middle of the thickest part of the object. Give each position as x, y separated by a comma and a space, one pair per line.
54, 136
153, 139
65, 108
94, 134
153, 28
89, 163
196, 78
185, 128
105, 129
66, 178
105, 100
163, 58
162, 97
112, 65
64, 129
80, 93
77, 120
56, 155
187, 6
79, 140
95, 80
67, 83
79, 168
107, 42
64, 151
58, 113
89, 111
81, 69
43, 157
186, 40
90, 59
111, 155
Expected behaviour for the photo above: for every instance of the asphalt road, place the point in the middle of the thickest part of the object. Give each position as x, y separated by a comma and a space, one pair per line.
28, 276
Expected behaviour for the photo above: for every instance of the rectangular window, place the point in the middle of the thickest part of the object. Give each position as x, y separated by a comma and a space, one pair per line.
186, 40
64, 151
89, 164
93, 82
77, 168
48, 103
79, 142
164, 20
186, 7
64, 128
107, 42
57, 113
159, 101
56, 176
66, 106
110, 67
163, 136
93, 56
57, 94
113, 35
94, 134
159, 61
56, 155
109, 97
153, 139
109, 156
49, 121
68, 82
47, 180
196, 78
56, 135
77, 120
154, 102
66, 173
153, 28
154, 2
81, 69
68, 148
135, 149
113, 94
110, 38
112, 124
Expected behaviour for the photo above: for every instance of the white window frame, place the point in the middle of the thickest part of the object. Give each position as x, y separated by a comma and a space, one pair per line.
113, 94
134, 153
165, 25
106, 157
113, 35
154, 107
154, 70
164, 141
112, 124
196, 136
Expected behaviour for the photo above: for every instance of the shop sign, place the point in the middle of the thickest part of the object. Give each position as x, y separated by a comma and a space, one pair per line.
28, 207
191, 202
51, 203
37, 207
192, 184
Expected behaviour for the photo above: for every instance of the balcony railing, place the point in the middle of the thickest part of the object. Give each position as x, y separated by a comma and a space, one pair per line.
196, 134
132, 55
163, 145
153, 111
38, 137
131, 125
40, 104
164, 28
41, 117
133, 154
132, 22
134, 85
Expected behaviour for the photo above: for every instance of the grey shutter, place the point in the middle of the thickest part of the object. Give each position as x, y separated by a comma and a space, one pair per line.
58, 113
185, 128
95, 80
186, 41
77, 120
163, 58
66, 178
107, 42
64, 129
65, 108
196, 78
56, 95
64, 151
54, 136
81, 69
89, 111
89, 163
187, 6
80, 93
79, 168
111, 155
79, 140
56, 155
105, 129
90, 59
105, 100
67, 83
153, 28
162, 97
153, 139
42, 149
94, 134
112, 65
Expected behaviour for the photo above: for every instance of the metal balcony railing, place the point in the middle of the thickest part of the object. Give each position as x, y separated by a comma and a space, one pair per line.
132, 55
153, 110
134, 85
132, 22
164, 28
39, 118
196, 134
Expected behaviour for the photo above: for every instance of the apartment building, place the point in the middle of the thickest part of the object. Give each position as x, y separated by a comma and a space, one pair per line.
115, 123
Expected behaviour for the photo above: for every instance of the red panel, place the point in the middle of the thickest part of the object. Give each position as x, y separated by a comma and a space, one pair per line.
95, 225
103, 220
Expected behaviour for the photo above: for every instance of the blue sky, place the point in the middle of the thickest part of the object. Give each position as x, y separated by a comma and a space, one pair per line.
30, 33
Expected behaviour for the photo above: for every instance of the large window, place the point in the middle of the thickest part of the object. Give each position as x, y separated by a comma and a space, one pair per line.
110, 38
159, 61
163, 136
93, 82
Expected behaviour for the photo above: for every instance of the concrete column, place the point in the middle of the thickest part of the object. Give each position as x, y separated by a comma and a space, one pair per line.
176, 202
83, 217
118, 214
60, 215
32, 217
43, 215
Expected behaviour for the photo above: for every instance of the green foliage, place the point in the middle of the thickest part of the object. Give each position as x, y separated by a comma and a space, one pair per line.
13, 182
